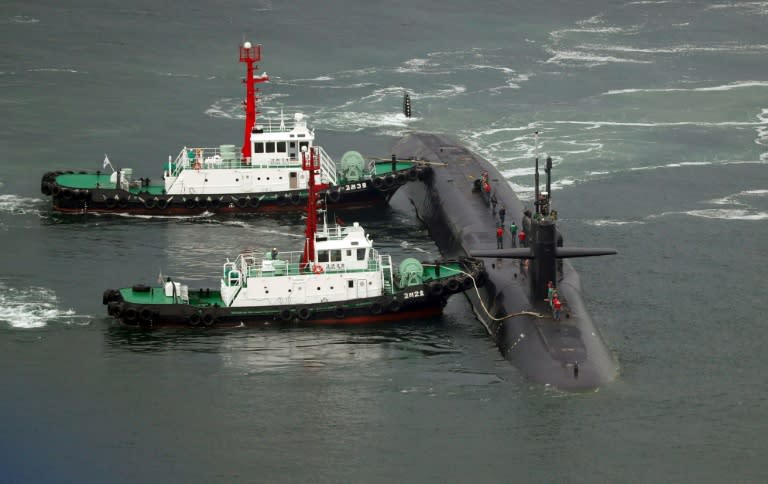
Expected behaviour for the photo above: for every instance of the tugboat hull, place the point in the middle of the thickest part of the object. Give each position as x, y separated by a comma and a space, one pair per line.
149, 307
91, 192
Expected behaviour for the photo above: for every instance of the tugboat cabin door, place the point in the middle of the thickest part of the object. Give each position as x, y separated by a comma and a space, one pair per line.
362, 288
293, 180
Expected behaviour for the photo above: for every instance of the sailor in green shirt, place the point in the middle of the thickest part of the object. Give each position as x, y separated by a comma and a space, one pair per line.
513, 231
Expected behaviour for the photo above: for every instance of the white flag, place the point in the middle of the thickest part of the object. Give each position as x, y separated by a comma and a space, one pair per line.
107, 163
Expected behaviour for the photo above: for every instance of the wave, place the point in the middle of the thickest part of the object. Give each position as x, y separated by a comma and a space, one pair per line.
23, 19
55, 69
34, 307
607, 223
760, 8
18, 205
722, 87
734, 199
725, 214
565, 57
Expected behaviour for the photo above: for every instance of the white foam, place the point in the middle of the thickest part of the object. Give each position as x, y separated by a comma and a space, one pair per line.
590, 59
605, 223
54, 69
760, 8
722, 87
732, 214
23, 19
33, 307
19, 205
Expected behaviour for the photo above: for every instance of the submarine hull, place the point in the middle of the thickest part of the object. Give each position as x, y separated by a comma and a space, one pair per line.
568, 353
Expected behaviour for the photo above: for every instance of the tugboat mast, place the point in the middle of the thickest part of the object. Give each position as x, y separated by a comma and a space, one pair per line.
310, 163
250, 54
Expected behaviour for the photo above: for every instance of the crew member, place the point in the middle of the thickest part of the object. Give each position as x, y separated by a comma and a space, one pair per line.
499, 237
521, 237
556, 306
513, 231
502, 214
274, 253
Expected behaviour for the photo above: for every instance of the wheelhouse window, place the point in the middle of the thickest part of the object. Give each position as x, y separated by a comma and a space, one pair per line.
322, 256
360, 254
258, 147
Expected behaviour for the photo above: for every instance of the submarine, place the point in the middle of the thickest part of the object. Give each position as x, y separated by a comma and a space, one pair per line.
460, 201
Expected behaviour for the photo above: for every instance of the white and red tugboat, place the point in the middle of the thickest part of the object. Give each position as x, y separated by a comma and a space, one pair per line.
264, 176
338, 278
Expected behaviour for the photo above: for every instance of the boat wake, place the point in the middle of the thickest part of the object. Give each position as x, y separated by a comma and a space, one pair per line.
34, 307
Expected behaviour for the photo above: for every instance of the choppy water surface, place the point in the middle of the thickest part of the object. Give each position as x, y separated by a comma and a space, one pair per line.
654, 112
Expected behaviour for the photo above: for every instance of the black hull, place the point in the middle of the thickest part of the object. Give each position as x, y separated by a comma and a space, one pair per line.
568, 354
365, 193
416, 302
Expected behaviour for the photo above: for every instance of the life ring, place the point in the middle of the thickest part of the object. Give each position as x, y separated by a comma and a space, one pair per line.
466, 283
334, 195
162, 203
285, 314
401, 178
241, 202
304, 313
110, 203
378, 183
339, 312
150, 202
113, 309
376, 308
413, 174
194, 319
130, 314
110, 295
295, 198
436, 289
145, 314
453, 285
208, 319
254, 202
394, 306
318, 269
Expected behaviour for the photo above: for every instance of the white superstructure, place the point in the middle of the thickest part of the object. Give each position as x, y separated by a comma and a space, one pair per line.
274, 165
346, 267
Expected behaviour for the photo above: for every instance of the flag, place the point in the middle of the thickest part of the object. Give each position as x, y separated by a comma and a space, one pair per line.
107, 163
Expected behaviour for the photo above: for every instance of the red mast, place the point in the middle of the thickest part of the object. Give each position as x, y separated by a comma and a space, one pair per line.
249, 54
310, 165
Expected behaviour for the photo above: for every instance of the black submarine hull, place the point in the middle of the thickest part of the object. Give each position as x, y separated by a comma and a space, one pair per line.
569, 353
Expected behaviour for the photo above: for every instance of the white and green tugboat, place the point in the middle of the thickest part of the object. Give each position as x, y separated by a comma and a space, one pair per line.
264, 176
338, 278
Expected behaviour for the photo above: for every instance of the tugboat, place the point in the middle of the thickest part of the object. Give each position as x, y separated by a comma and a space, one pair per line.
265, 176
338, 278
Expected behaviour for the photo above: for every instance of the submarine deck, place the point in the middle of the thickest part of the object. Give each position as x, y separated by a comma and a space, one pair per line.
568, 354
